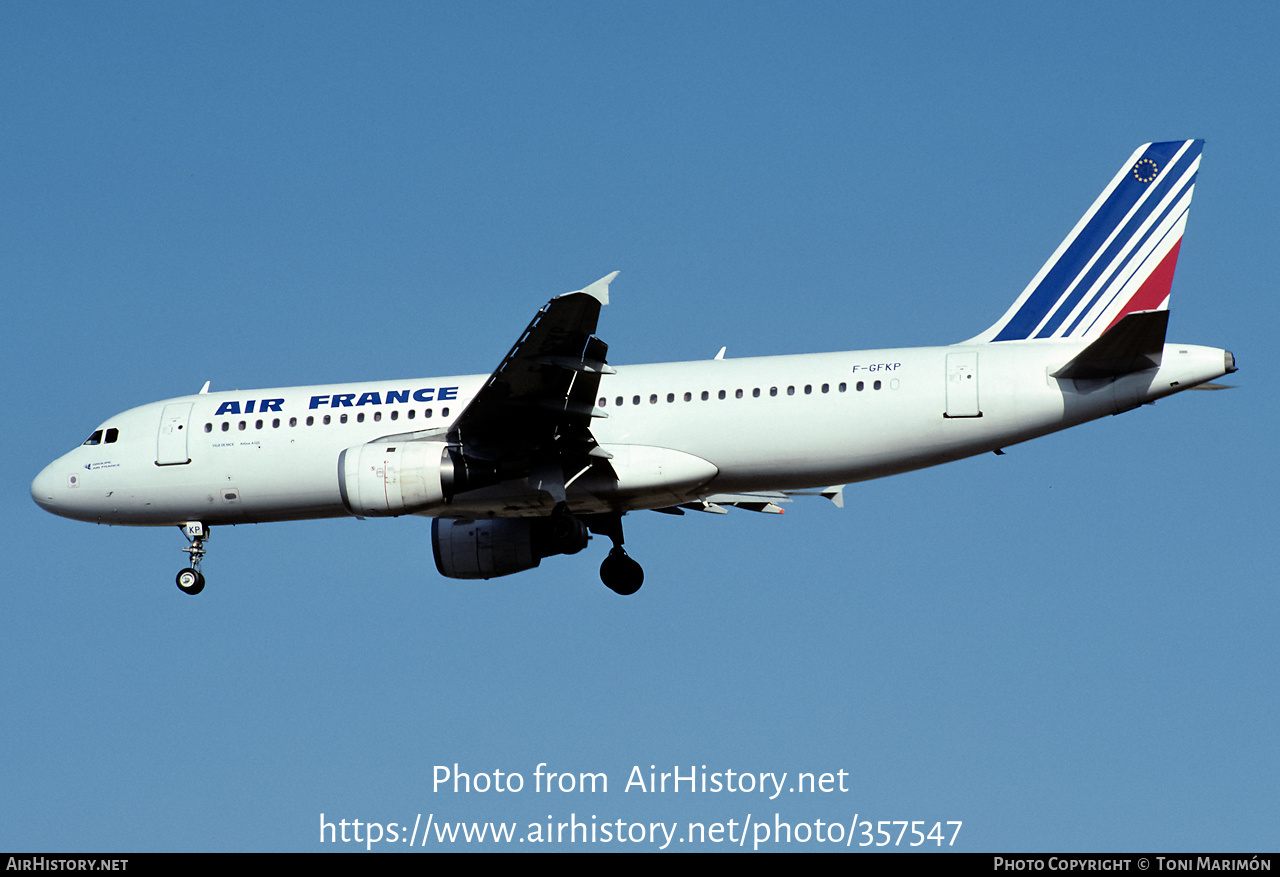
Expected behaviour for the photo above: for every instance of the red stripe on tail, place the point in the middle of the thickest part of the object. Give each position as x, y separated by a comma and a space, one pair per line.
1155, 288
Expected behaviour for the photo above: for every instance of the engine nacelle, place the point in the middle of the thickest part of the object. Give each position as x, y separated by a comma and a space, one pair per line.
394, 478
485, 549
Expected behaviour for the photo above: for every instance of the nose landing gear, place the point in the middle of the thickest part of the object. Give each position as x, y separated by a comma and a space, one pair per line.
191, 580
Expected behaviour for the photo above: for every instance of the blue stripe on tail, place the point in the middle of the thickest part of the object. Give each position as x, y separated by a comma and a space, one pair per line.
1052, 291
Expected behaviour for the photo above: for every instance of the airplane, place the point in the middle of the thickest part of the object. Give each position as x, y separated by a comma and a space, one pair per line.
557, 444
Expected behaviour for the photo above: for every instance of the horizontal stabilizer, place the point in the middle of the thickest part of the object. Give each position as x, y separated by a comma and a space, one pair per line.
1132, 345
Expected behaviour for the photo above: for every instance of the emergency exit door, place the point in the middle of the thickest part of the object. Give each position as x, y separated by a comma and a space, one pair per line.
171, 444
962, 385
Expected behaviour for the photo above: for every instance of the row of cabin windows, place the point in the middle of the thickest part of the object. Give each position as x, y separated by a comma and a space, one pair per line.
739, 394
110, 437
326, 419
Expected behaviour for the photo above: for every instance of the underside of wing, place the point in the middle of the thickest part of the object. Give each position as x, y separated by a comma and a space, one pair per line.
533, 415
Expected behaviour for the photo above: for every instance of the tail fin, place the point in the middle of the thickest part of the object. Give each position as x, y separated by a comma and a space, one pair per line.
1120, 256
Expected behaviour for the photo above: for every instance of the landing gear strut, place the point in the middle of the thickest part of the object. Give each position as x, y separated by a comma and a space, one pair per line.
191, 580
619, 572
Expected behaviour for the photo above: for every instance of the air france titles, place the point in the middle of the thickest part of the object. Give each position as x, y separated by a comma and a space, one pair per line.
373, 397
344, 400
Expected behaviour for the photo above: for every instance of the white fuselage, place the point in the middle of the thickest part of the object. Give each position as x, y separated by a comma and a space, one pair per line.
676, 432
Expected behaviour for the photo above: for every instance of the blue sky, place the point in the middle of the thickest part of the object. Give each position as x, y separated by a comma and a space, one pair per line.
1070, 647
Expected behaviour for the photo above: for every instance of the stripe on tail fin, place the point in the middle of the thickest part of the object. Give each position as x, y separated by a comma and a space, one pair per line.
1119, 258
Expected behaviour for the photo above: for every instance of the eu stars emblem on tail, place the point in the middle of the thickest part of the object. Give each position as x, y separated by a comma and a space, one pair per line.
1145, 170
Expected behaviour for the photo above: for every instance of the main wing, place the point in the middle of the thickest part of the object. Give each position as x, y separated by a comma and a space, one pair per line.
533, 415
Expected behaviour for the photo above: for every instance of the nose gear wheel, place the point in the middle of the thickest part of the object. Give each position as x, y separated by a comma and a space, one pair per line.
191, 580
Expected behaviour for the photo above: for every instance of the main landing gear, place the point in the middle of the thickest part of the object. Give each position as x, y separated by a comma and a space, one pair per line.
619, 572
191, 580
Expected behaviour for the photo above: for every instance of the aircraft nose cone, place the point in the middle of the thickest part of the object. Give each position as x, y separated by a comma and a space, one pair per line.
48, 486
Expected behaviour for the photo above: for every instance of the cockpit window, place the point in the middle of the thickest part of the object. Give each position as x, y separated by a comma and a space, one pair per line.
112, 435
95, 439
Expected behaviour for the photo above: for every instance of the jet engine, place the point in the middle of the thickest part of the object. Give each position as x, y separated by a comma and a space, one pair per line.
485, 549
394, 478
